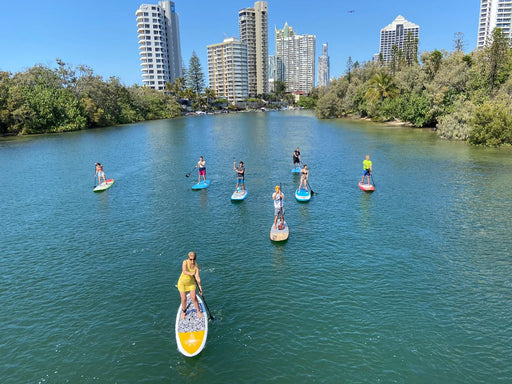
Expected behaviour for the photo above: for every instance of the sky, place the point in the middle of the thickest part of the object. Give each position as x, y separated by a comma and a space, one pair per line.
102, 34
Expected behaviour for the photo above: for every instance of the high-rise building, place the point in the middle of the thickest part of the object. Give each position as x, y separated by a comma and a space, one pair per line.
400, 35
227, 69
253, 26
494, 14
159, 44
295, 59
271, 72
323, 67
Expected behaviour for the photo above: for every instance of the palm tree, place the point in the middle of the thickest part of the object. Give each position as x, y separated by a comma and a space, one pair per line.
381, 87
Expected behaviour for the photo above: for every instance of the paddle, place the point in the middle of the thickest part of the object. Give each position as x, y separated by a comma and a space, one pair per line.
373, 182
204, 301
311, 189
188, 174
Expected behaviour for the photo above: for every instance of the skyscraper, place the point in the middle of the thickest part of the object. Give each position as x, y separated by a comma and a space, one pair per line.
400, 34
253, 26
494, 14
295, 59
227, 69
159, 44
323, 68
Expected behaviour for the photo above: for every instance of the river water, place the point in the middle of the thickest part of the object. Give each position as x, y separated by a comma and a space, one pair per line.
409, 284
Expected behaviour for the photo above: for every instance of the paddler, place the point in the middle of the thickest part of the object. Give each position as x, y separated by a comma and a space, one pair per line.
187, 283
367, 169
278, 198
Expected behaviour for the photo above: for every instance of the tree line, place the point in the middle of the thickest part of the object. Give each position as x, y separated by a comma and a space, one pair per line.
463, 96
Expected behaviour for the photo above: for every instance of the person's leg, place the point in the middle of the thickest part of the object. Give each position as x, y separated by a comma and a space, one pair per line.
183, 296
193, 297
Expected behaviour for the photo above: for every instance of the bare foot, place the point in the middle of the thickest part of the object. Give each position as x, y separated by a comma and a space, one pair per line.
183, 314
200, 315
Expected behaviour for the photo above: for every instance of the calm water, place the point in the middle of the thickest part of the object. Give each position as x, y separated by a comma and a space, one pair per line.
410, 284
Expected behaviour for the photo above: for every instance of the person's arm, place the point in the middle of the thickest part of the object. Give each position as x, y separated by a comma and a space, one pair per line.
198, 280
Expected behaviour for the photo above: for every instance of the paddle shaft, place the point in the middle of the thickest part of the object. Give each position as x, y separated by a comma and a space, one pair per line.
373, 181
188, 174
204, 301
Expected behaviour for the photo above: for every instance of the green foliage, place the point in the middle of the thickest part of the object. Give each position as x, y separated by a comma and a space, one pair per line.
463, 96
492, 123
42, 100
307, 102
194, 75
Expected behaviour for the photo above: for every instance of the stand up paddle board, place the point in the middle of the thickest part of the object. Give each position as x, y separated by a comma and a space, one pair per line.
201, 185
296, 170
280, 233
239, 194
192, 331
302, 195
103, 186
367, 187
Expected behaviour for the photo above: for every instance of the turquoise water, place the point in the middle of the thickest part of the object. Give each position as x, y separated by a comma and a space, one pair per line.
409, 284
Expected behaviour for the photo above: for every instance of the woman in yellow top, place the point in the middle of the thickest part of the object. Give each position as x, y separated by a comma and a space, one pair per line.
187, 283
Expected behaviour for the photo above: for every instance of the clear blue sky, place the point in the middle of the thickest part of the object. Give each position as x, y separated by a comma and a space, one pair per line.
103, 34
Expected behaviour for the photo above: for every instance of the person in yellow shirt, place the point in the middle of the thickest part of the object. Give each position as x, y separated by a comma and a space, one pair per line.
187, 283
367, 169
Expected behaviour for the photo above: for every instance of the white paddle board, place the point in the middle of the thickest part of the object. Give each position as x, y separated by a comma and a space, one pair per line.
103, 186
192, 331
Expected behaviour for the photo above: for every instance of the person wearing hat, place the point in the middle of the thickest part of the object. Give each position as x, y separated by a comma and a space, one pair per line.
278, 198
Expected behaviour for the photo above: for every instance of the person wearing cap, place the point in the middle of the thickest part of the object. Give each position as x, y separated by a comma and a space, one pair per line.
367, 169
278, 198
240, 172
100, 173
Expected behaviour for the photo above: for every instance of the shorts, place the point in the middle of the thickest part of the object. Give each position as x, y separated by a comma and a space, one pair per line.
101, 174
278, 211
366, 172
202, 172
240, 181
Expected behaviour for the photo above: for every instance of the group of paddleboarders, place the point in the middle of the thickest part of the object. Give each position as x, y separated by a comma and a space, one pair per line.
189, 279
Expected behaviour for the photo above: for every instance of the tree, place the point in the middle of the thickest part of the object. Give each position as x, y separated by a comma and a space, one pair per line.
380, 87
279, 88
458, 41
411, 49
350, 68
194, 75
497, 56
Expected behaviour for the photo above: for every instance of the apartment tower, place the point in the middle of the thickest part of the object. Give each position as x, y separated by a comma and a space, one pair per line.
397, 34
323, 67
295, 59
494, 14
253, 26
227, 70
159, 44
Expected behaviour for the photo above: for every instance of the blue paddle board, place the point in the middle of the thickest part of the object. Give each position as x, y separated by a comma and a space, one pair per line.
201, 185
239, 195
302, 195
296, 170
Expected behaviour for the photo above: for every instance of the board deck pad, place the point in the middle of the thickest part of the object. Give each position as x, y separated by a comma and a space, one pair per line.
104, 186
302, 195
239, 194
277, 234
191, 332
367, 187
201, 185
